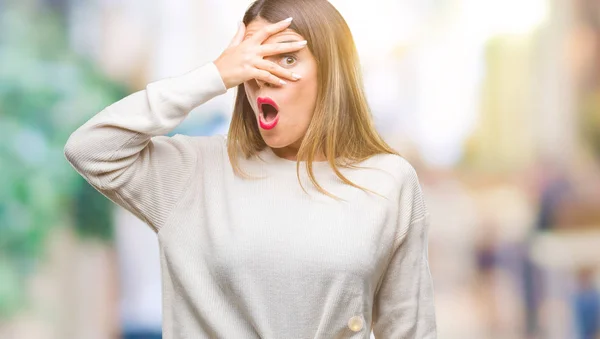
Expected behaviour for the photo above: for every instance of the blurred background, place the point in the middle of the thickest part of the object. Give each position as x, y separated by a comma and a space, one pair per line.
496, 103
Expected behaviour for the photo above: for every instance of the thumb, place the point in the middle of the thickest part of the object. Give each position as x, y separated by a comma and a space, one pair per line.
239, 36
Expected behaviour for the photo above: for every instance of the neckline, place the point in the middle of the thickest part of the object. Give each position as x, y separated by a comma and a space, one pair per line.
271, 158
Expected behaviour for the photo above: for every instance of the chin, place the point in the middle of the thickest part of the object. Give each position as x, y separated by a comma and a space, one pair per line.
276, 141
273, 142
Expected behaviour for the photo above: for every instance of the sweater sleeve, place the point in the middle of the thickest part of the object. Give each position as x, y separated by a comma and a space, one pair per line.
122, 150
404, 303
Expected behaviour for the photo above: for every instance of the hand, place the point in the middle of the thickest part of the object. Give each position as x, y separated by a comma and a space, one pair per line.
243, 60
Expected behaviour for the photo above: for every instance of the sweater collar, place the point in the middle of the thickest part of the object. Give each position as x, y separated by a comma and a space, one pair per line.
271, 158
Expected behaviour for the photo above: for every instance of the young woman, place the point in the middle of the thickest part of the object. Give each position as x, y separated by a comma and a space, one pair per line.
300, 222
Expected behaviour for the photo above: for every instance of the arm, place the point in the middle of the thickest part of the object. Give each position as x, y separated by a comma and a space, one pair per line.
122, 150
404, 304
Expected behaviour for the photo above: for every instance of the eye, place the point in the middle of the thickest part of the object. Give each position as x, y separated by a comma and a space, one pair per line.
289, 59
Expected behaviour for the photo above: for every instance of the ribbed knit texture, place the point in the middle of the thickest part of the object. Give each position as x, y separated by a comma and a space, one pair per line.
260, 258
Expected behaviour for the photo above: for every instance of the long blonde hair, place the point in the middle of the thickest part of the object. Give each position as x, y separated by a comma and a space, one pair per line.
342, 126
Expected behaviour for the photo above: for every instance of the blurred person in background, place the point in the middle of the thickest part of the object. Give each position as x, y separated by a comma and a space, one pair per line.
587, 304
275, 257
552, 188
486, 258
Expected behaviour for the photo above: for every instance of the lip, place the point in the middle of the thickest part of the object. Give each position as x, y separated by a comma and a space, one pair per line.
265, 100
262, 123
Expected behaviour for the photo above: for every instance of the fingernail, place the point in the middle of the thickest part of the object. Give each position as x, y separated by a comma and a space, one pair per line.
302, 43
282, 82
296, 76
288, 19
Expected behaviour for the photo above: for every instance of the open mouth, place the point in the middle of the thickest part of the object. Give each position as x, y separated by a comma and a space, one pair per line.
269, 112
267, 108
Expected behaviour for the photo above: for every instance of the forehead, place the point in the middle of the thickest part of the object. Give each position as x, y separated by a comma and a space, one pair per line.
259, 23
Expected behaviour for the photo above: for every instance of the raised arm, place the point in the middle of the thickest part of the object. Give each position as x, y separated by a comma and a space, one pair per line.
122, 152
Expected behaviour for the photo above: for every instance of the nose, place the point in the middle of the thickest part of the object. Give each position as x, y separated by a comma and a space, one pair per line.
262, 83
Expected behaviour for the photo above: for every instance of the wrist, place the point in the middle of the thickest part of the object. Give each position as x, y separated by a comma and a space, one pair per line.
222, 73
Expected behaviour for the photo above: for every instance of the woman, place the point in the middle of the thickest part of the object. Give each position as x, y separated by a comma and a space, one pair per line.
301, 222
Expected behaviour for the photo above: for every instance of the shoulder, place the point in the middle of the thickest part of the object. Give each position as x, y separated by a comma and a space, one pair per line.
397, 166
200, 147
201, 143
407, 188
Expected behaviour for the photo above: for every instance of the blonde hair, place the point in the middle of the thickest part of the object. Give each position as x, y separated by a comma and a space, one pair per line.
342, 126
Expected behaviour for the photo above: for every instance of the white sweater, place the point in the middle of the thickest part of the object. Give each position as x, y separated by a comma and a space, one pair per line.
247, 259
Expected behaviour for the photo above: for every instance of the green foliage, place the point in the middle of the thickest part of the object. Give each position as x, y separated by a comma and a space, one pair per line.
46, 92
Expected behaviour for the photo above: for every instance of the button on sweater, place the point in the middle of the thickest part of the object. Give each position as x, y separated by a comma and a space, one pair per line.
261, 258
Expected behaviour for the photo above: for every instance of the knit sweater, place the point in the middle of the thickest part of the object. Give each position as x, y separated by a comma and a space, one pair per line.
261, 258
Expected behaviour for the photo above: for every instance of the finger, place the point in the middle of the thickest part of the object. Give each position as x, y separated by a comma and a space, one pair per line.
269, 30
265, 76
276, 70
278, 48
239, 35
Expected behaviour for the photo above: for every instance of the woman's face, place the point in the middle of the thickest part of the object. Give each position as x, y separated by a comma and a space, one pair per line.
295, 100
